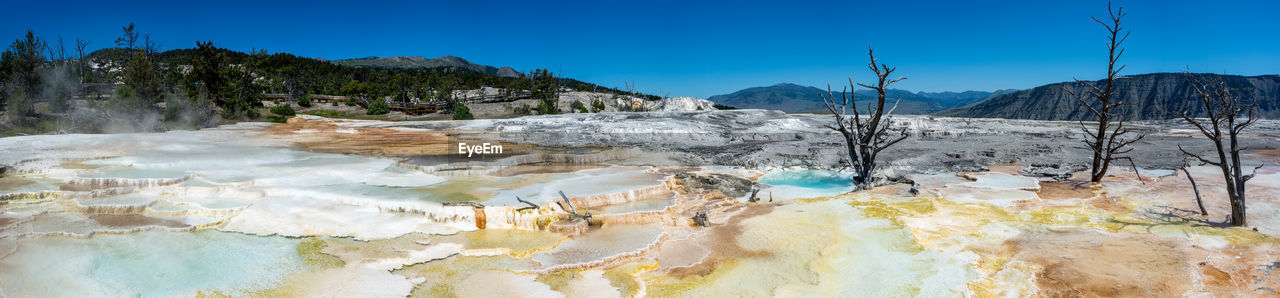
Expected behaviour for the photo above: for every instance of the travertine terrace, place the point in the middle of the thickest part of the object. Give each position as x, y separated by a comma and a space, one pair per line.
371, 208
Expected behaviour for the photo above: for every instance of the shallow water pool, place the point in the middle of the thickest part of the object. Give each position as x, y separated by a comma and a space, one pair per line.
149, 264
805, 184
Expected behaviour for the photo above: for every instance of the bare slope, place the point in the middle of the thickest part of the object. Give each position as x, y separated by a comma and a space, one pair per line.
1156, 96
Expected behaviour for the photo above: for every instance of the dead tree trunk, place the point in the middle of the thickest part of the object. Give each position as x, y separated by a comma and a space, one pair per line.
531, 204
1106, 140
81, 65
572, 210
1223, 110
865, 137
1199, 201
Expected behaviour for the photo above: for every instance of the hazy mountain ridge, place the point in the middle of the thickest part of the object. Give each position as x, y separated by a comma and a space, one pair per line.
1156, 96
790, 97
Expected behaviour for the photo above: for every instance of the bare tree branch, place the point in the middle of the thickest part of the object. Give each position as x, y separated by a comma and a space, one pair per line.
1106, 139
1199, 201
1134, 167
571, 209
531, 205
1254, 173
1197, 157
1223, 110
865, 138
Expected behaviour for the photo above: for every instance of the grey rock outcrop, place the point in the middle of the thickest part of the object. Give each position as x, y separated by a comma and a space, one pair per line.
1155, 96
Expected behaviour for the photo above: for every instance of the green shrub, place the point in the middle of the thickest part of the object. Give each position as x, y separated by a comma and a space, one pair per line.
548, 108
578, 106
597, 106
173, 107
332, 114
19, 104
227, 113
122, 99
283, 110
59, 102
252, 113
378, 107
462, 112
523, 109
304, 101
351, 102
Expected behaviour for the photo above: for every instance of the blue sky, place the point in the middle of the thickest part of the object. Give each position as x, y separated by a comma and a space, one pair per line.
703, 48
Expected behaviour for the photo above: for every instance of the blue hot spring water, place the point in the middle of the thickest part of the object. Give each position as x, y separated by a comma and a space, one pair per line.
807, 184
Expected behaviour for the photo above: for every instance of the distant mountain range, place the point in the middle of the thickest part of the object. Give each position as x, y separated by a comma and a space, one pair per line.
422, 62
1155, 96
796, 98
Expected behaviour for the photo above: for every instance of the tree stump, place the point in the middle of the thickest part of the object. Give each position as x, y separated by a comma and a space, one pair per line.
573, 226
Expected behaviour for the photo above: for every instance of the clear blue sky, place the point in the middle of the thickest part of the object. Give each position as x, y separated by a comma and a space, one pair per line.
702, 48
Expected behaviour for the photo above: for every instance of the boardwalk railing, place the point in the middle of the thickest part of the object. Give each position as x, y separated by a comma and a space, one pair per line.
416, 109
410, 108
314, 97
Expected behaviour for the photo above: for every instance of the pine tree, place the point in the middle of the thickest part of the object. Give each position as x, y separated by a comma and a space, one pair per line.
20, 63
143, 78
205, 76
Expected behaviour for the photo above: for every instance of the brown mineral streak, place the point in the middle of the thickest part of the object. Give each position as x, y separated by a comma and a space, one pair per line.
1095, 264
480, 219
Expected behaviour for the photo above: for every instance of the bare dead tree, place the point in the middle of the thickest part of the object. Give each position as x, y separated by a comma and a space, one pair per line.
150, 47
631, 103
1199, 201
81, 45
865, 137
568, 203
572, 211
1224, 111
57, 52
531, 204
1108, 142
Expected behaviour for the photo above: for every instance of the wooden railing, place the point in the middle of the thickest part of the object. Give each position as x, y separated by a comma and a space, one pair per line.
314, 97
416, 108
